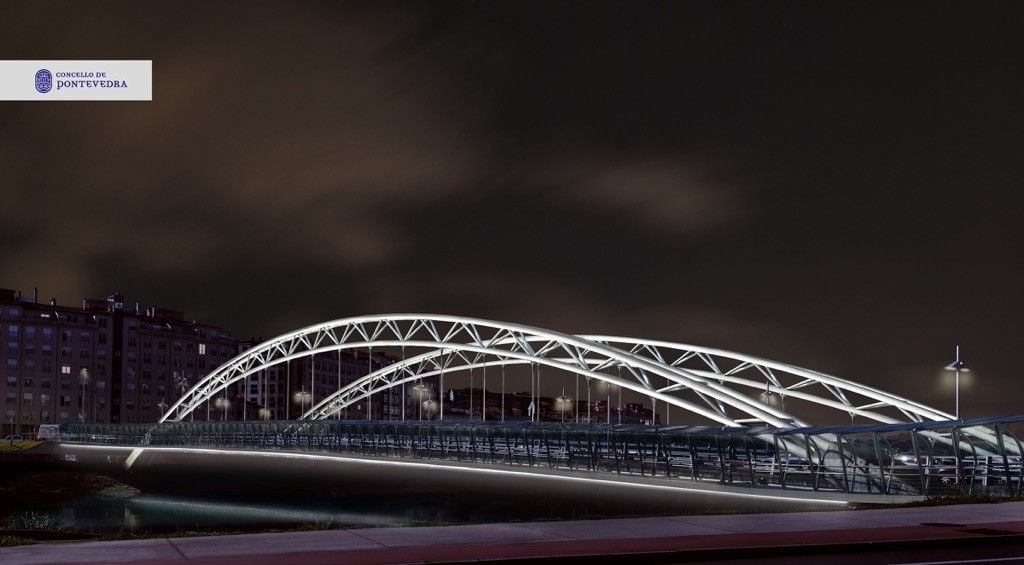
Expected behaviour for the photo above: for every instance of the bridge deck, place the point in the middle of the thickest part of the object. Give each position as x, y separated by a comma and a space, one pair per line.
959, 457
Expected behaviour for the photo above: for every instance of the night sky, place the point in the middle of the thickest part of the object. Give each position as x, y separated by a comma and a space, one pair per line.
831, 184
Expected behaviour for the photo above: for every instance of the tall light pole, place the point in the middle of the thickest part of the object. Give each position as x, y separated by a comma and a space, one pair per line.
608, 401
223, 404
563, 404
420, 393
181, 383
301, 398
430, 406
959, 366
83, 379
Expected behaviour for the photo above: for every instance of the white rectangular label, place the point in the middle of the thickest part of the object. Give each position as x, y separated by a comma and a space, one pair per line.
76, 80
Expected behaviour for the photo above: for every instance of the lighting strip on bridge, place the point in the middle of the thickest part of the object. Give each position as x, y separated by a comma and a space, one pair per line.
414, 465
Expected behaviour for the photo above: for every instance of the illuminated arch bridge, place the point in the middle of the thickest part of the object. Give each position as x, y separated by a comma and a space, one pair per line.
704, 384
749, 438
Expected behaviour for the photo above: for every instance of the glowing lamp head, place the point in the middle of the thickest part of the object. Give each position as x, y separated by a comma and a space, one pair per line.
959, 365
773, 399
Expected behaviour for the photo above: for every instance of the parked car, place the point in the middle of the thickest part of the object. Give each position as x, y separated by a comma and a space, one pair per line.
49, 432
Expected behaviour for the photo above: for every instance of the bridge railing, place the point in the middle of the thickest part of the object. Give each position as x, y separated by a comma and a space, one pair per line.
933, 459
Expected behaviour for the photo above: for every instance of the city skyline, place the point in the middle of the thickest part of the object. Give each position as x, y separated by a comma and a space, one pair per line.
830, 186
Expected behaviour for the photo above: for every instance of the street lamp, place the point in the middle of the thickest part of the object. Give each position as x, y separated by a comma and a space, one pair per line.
608, 388
181, 383
83, 379
772, 399
563, 404
223, 404
959, 366
301, 398
430, 406
420, 391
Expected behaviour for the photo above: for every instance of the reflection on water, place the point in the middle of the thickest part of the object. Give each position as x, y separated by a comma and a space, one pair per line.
157, 512
99, 513
258, 504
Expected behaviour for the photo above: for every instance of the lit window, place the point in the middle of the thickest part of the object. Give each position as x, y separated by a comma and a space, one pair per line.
65, 369
202, 349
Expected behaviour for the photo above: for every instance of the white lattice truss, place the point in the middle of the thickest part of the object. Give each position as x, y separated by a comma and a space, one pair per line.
721, 386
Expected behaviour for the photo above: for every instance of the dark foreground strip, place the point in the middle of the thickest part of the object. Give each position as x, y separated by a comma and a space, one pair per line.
659, 550
738, 553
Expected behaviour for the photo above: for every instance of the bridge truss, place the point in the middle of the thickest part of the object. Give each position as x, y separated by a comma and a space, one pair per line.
726, 388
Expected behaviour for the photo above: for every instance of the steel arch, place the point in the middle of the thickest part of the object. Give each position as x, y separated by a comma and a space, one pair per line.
470, 334
456, 337
840, 389
714, 371
439, 362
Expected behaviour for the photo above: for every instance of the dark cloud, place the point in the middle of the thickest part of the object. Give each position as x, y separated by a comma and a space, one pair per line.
670, 195
829, 185
208, 168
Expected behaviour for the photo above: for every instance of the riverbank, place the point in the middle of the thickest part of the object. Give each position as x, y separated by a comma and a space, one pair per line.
56, 485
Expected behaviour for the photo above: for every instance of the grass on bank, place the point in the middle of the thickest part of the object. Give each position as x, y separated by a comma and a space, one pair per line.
149, 534
7, 446
11, 541
960, 499
950, 500
35, 521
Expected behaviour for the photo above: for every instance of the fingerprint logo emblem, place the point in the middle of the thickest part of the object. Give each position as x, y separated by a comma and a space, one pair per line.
44, 81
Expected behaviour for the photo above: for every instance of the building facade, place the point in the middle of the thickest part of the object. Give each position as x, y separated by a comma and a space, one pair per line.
103, 362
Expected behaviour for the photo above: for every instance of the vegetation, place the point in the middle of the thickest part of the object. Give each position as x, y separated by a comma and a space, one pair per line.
423, 523
318, 525
35, 521
981, 498
11, 541
8, 446
948, 501
56, 485
147, 534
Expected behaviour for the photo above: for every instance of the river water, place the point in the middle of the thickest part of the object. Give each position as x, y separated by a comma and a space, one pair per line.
103, 513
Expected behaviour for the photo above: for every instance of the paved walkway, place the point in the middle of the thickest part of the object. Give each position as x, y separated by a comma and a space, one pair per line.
645, 538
